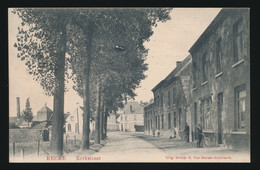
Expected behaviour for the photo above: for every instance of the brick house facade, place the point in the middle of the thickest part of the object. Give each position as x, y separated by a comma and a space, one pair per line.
210, 87
221, 79
171, 109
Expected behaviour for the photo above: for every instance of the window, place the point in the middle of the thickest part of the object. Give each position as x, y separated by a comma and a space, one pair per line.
173, 95
169, 98
194, 68
240, 104
206, 112
162, 121
204, 68
158, 101
76, 128
71, 118
169, 121
238, 41
161, 99
69, 128
218, 56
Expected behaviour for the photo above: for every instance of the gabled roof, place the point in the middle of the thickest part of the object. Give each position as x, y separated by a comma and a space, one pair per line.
21, 122
149, 106
175, 73
136, 108
66, 115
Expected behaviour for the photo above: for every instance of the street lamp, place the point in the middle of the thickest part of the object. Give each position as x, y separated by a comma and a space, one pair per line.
119, 48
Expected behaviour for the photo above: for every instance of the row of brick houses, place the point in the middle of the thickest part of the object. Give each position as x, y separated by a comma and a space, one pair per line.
211, 86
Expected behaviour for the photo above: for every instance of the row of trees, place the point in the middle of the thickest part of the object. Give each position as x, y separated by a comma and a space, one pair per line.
101, 50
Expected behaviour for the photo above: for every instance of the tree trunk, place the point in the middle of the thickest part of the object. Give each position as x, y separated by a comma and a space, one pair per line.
105, 123
86, 109
97, 119
101, 119
58, 98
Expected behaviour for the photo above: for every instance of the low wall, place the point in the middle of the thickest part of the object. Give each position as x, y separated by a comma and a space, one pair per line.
27, 135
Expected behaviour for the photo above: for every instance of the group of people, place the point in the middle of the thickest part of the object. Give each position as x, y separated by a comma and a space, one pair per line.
199, 132
186, 133
156, 131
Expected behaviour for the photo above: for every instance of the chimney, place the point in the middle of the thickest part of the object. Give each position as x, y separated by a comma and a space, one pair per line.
178, 63
18, 107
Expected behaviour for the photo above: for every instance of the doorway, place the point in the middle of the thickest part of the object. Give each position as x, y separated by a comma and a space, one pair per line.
220, 110
195, 121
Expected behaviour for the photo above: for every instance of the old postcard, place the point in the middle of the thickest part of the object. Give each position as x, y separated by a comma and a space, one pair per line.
129, 85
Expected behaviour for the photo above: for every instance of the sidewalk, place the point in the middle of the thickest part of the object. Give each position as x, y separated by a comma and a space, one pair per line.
164, 143
178, 150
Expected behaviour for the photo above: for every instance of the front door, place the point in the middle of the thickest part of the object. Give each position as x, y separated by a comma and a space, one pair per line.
195, 121
220, 109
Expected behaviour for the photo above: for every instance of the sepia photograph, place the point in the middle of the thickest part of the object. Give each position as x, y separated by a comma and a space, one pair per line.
119, 85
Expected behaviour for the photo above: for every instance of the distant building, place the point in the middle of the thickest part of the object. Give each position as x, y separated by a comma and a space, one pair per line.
74, 124
44, 114
21, 123
12, 122
37, 130
171, 110
112, 123
131, 117
149, 119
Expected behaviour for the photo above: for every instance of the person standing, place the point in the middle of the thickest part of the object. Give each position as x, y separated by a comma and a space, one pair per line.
187, 132
199, 130
153, 132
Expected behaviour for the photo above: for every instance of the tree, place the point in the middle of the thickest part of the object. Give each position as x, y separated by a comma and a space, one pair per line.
102, 30
43, 47
27, 114
41, 43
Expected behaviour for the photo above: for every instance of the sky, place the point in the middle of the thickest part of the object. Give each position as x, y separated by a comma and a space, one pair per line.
170, 42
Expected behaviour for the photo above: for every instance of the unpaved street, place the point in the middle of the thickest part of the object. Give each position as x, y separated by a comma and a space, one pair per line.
137, 147
125, 147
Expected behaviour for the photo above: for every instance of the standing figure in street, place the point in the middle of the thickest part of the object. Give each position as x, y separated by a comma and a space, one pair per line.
187, 132
153, 132
199, 130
